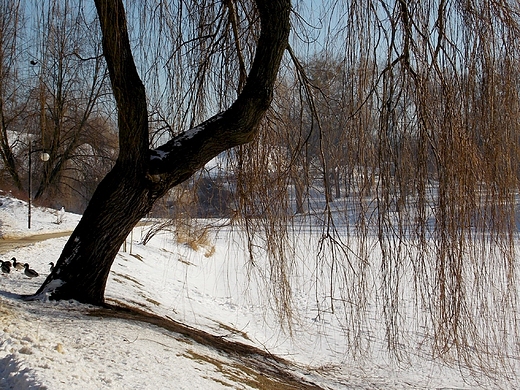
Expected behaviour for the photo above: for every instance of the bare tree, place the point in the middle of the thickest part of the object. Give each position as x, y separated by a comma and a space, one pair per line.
71, 102
12, 98
140, 175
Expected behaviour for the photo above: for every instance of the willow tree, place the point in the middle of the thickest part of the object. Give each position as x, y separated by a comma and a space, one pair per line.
423, 100
141, 175
426, 95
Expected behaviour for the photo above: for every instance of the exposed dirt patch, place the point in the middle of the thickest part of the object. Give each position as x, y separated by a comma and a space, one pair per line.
9, 243
232, 330
252, 366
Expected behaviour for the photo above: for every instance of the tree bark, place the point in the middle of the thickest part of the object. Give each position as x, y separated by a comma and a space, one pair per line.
140, 175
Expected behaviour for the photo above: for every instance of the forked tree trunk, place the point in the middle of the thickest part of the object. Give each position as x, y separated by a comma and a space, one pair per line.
141, 176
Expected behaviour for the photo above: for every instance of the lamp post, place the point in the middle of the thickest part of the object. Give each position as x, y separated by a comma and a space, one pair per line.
44, 157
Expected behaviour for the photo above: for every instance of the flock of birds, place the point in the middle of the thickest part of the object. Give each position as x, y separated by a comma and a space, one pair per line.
6, 266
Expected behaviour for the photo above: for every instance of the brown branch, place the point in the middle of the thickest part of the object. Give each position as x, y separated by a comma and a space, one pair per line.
234, 26
191, 150
127, 86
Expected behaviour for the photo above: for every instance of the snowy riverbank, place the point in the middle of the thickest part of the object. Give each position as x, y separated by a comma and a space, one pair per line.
67, 345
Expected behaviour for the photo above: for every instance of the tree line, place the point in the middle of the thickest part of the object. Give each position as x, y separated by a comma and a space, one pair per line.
54, 94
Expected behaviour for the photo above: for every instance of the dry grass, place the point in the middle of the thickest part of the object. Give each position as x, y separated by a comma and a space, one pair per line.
195, 237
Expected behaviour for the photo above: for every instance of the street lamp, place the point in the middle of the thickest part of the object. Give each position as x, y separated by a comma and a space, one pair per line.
44, 157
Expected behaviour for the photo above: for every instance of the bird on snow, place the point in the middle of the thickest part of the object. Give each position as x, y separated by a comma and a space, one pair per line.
30, 272
6, 267
52, 266
17, 265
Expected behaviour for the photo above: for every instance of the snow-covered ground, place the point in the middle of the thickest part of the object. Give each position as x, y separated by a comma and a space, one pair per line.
66, 345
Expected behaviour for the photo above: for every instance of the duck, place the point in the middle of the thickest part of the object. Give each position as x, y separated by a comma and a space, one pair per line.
17, 265
30, 272
6, 267
51, 266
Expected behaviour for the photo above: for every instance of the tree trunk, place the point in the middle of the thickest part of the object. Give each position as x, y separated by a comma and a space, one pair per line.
83, 267
6, 151
337, 182
141, 176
